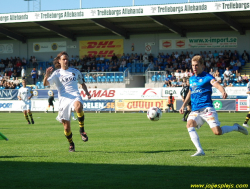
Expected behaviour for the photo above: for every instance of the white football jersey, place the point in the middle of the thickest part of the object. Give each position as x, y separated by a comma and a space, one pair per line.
66, 82
248, 89
25, 93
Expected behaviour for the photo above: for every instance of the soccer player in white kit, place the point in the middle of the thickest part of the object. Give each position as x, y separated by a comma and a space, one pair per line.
66, 80
25, 94
248, 105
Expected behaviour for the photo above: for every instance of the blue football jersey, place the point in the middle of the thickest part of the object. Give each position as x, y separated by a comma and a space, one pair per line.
201, 91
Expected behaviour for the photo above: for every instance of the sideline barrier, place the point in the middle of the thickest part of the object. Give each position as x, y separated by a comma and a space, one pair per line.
125, 105
127, 99
127, 93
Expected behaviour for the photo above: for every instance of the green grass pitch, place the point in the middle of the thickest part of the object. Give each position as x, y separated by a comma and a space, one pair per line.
125, 150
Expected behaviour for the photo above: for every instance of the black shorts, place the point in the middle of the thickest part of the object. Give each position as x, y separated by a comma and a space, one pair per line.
51, 104
189, 104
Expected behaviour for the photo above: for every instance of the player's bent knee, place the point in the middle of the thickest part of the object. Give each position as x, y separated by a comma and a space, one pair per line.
217, 130
191, 123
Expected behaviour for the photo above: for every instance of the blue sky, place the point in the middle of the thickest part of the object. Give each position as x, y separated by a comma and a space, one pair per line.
10, 6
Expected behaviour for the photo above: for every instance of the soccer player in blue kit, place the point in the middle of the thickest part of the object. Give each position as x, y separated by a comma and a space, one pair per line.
200, 93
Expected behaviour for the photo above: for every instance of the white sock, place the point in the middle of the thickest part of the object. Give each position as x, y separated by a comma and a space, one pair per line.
195, 138
227, 129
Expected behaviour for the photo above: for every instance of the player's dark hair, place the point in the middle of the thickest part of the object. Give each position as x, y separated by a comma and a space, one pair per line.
56, 60
198, 59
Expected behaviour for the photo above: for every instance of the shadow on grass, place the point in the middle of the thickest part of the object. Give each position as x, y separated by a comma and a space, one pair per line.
108, 176
128, 152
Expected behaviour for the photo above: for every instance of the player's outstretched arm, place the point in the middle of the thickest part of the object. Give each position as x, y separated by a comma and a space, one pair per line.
221, 89
84, 87
46, 76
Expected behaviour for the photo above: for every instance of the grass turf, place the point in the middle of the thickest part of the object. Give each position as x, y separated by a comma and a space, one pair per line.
123, 151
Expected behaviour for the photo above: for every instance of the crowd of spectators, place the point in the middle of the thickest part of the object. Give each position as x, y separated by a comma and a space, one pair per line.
225, 66
177, 66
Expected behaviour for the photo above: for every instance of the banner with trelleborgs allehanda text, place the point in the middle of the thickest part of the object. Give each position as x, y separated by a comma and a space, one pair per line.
102, 48
49, 46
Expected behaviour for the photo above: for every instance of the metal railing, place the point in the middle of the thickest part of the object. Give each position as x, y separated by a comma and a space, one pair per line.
105, 77
155, 76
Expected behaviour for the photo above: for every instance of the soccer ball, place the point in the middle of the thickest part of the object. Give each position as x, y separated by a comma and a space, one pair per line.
154, 113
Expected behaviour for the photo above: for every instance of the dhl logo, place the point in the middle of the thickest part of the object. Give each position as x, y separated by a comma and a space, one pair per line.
105, 53
100, 44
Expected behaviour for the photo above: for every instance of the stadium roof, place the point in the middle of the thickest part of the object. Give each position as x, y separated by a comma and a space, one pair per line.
126, 21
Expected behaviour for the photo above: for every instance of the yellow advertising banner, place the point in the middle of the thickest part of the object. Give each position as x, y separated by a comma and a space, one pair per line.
140, 105
101, 47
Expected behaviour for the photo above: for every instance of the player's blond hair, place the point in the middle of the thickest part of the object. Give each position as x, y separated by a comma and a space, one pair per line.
198, 59
56, 60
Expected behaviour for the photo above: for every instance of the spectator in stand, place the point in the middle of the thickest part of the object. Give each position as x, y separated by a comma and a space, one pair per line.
245, 78
136, 58
218, 78
212, 72
150, 57
34, 75
19, 63
19, 70
115, 67
128, 58
167, 80
210, 55
84, 67
40, 74
231, 64
14, 75
106, 67
123, 63
114, 57
230, 54
93, 69
225, 84
102, 59
239, 79
123, 56
221, 54
235, 54
191, 54
145, 59
239, 64
235, 69
24, 62
207, 58
141, 58
103, 69
2, 66
215, 54
88, 69
111, 67
245, 56
34, 62
72, 58
227, 75
17, 82
6, 77
208, 64
50, 61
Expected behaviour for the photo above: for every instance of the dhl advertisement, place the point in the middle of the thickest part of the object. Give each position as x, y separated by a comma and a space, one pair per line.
104, 48
140, 105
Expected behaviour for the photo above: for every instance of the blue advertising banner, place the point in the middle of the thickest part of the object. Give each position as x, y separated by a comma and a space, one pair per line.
11, 94
8, 94
99, 105
42, 94
219, 105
